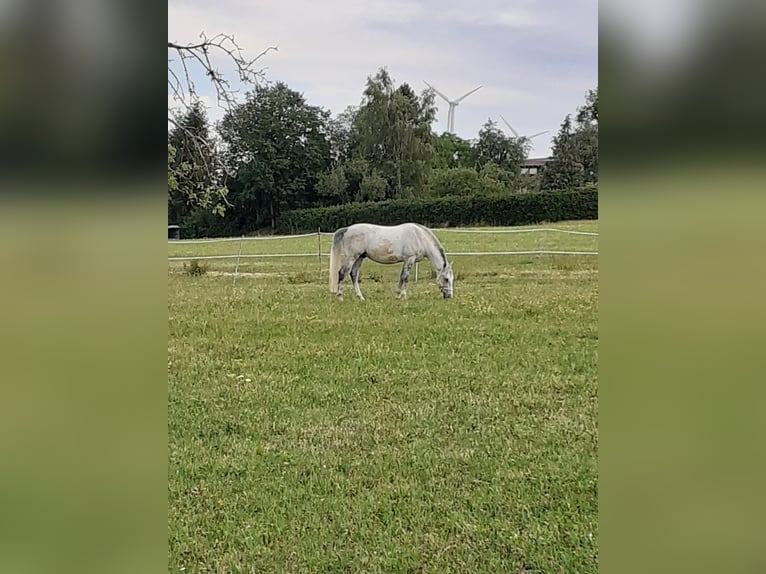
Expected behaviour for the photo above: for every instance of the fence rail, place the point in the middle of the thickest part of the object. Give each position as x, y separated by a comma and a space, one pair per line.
243, 238
246, 256
456, 253
535, 230
319, 253
320, 232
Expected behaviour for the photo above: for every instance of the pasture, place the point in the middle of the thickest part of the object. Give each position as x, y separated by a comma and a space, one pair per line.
307, 434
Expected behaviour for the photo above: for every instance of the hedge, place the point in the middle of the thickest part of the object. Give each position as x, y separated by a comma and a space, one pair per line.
518, 209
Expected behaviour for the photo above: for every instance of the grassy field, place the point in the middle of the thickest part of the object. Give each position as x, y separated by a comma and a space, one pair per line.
313, 435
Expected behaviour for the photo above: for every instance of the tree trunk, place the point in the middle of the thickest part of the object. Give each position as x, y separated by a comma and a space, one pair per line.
273, 207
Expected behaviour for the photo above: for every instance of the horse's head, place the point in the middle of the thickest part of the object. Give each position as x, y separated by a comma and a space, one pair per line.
445, 280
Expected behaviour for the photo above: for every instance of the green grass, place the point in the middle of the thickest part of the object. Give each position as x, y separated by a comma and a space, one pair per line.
313, 435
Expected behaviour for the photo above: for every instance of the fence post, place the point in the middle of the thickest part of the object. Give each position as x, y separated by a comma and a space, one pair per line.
236, 268
319, 251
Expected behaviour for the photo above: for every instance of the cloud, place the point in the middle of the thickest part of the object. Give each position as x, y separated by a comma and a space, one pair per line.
535, 60
502, 17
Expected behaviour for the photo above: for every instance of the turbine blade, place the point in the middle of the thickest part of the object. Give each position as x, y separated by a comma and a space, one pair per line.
538, 134
510, 127
464, 96
445, 98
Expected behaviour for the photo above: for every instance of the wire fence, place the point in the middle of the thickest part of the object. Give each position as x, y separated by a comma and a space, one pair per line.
243, 238
320, 233
534, 230
319, 253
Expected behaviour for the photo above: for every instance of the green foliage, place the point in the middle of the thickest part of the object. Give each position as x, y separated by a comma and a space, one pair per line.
528, 183
341, 134
454, 181
332, 186
589, 112
483, 209
356, 170
575, 149
278, 146
392, 131
204, 223
492, 178
284, 155
195, 174
450, 151
172, 180
372, 188
496, 178
495, 147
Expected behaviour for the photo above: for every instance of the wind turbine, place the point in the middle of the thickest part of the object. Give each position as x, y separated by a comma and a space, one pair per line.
518, 137
452, 105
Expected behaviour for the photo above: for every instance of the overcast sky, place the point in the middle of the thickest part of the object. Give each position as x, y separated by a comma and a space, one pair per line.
534, 59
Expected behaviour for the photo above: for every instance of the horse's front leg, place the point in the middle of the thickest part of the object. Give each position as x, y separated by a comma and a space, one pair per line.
404, 277
355, 277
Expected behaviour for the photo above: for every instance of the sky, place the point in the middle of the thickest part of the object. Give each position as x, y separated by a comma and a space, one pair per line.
535, 60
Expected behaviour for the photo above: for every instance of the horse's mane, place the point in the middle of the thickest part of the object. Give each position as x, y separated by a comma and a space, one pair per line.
436, 242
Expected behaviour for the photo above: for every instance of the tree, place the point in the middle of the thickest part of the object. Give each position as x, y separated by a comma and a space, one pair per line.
277, 146
392, 131
587, 134
172, 180
184, 61
494, 146
195, 173
564, 171
372, 187
588, 113
451, 151
332, 186
341, 130
453, 181
496, 178
575, 149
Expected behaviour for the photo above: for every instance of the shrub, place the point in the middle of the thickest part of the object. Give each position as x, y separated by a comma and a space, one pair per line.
454, 181
483, 209
195, 268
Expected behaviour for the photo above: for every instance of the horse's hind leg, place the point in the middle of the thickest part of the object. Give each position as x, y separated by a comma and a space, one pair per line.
355, 276
404, 277
342, 272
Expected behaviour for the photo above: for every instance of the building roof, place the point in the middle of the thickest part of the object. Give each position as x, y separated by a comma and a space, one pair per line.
537, 161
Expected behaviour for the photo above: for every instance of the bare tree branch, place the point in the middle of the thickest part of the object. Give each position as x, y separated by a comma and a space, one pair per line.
183, 60
199, 55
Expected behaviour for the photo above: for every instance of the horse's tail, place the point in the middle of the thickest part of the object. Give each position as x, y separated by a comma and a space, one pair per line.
335, 257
